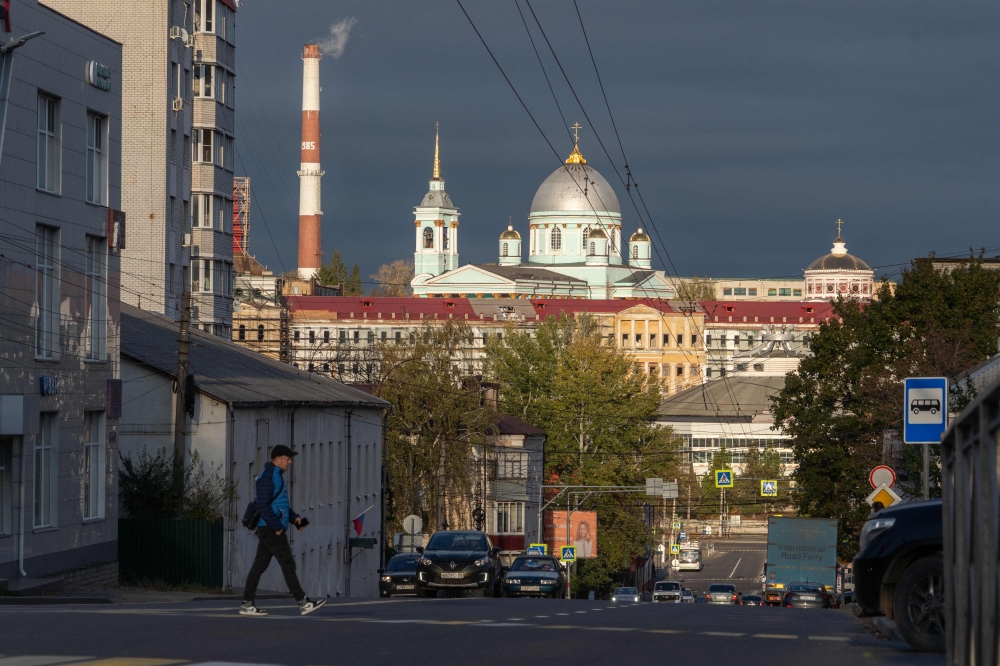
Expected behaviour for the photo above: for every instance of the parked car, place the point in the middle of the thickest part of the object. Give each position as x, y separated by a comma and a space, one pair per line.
459, 560
667, 590
751, 600
687, 596
722, 593
625, 594
399, 576
899, 571
535, 576
806, 595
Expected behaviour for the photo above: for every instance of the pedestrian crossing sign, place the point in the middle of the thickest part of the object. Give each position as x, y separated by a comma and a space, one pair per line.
723, 478
675, 549
538, 549
568, 554
677, 525
769, 488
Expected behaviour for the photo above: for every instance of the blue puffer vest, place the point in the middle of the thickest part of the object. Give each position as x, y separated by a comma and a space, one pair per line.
274, 514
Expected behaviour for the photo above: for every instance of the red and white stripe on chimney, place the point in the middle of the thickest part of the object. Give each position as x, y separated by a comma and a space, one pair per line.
310, 172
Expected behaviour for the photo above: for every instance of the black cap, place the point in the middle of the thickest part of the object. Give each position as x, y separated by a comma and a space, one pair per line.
282, 450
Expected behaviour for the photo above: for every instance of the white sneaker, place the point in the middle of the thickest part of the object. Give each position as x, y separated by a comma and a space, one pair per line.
247, 608
306, 606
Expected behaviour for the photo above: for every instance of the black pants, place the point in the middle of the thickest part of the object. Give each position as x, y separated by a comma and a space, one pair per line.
274, 545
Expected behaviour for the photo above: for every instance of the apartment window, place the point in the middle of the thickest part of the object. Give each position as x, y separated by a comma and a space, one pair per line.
312, 337
727, 291
680, 370
556, 238
201, 144
694, 340
343, 335
204, 15
785, 291
708, 339
740, 291
752, 291
296, 335
203, 81
242, 332
201, 275
48, 152
260, 333
95, 298
680, 340
6, 484
509, 518
624, 339
326, 336
176, 80
772, 292
798, 292
399, 337
652, 340
188, 144
708, 372
93, 465
202, 211
357, 335
46, 292
666, 339
512, 464
46, 470
97, 159
384, 336
638, 340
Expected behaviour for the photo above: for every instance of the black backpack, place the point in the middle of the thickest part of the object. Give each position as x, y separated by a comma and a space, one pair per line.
251, 516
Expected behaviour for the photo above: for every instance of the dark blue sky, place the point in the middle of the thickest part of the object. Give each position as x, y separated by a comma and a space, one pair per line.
750, 127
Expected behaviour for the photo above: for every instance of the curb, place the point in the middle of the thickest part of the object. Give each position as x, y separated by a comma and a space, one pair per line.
53, 601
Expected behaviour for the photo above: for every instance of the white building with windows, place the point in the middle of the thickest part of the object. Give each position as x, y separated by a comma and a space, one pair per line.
60, 243
179, 62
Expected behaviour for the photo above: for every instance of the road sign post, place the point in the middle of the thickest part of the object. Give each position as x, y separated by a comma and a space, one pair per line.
882, 474
925, 416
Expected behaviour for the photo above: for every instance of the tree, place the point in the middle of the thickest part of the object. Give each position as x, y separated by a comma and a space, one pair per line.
599, 414
697, 289
394, 279
333, 272
842, 405
152, 486
353, 286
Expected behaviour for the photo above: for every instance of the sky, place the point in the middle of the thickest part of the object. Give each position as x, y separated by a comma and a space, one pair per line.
749, 127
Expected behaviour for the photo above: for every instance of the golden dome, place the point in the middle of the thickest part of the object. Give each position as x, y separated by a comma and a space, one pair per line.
597, 232
639, 237
510, 234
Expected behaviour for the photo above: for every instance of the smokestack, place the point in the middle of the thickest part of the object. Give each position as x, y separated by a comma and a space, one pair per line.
310, 173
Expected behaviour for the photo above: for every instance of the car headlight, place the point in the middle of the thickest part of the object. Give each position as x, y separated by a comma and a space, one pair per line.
514, 581
424, 561
873, 527
483, 562
386, 579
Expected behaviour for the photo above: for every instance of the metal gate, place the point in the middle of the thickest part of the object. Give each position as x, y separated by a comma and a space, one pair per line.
175, 552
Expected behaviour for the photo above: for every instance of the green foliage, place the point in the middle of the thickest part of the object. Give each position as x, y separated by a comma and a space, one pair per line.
744, 497
697, 289
842, 406
152, 486
599, 415
437, 425
353, 286
335, 272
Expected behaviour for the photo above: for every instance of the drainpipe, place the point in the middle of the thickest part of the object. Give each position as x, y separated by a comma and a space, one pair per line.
231, 447
20, 557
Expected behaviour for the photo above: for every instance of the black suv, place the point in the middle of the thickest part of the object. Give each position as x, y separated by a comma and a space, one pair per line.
459, 560
399, 575
899, 571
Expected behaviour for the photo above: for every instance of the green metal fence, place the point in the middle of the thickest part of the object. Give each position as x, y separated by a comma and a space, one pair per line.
175, 552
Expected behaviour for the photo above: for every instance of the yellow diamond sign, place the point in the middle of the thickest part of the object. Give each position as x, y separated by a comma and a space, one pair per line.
885, 495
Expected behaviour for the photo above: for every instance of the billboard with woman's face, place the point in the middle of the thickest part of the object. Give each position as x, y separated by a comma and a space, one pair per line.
580, 531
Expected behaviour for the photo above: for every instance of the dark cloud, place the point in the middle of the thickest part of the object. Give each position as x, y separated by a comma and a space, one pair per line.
750, 127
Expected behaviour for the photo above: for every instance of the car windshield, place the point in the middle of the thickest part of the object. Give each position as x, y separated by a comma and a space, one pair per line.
688, 593
402, 564
625, 591
457, 541
722, 588
673, 587
690, 556
533, 564
802, 587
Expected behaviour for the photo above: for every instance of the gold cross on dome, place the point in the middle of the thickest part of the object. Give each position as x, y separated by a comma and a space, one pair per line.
839, 222
576, 132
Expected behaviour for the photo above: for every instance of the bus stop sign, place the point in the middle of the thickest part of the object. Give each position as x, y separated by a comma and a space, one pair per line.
925, 409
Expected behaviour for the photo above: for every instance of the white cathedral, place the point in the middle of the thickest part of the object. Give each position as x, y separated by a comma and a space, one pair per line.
574, 249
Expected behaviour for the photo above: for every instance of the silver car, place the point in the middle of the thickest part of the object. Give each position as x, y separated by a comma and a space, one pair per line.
623, 594
668, 591
687, 596
722, 594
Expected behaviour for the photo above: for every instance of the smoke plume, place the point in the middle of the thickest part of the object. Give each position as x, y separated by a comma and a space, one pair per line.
340, 32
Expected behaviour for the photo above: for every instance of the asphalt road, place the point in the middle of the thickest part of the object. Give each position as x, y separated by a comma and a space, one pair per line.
738, 562
440, 631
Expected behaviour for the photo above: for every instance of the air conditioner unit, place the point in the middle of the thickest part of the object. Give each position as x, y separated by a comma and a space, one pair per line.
187, 239
177, 32
188, 41
178, 103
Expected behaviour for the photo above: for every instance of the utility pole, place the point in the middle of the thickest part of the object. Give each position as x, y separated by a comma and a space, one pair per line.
183, 352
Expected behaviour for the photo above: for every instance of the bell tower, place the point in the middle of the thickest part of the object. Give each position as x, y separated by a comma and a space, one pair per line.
436, 225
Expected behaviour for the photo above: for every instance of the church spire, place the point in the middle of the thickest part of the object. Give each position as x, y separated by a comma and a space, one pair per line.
437, 153
576, 157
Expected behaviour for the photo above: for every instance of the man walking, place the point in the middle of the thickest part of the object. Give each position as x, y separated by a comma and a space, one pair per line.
271, 496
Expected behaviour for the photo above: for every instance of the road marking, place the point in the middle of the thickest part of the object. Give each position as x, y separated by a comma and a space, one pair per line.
720, 633
736, 567
578, 612
596, 609
612, 629
775, 636
515, 619
821, 638
665, 631
448, 622
560, 626
228, 663
562, 613
541, 616
38, 660
131, 661
506, 624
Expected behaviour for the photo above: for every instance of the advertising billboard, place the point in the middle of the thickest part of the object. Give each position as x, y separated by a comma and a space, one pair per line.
580, 531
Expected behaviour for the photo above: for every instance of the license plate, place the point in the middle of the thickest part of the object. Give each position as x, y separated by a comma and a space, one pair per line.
449, 574
808, 598
405, 587
530, 588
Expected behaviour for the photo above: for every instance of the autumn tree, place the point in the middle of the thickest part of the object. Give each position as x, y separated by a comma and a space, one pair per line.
696, 289
394, 279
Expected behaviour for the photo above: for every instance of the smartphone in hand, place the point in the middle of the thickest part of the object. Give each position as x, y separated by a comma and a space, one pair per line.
302, 522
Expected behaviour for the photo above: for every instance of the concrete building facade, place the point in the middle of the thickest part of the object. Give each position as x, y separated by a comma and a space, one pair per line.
61, 235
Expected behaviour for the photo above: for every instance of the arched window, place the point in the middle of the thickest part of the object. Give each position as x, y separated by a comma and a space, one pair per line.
260, 333
444, 239
243, 332
504, 254
556, 239
635, 251
593, 248
428, 237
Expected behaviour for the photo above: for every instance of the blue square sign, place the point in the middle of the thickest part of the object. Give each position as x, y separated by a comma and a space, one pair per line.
925, 409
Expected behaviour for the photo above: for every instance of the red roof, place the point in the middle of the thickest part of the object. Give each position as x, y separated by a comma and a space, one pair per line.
782, 311
555, 307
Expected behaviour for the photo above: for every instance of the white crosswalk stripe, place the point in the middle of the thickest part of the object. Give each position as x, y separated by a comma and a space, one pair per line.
38, 660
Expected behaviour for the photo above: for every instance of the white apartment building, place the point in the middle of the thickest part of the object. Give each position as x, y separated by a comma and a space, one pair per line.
177, 150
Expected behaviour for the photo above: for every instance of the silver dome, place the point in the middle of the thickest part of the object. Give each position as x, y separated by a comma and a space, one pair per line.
563, 191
